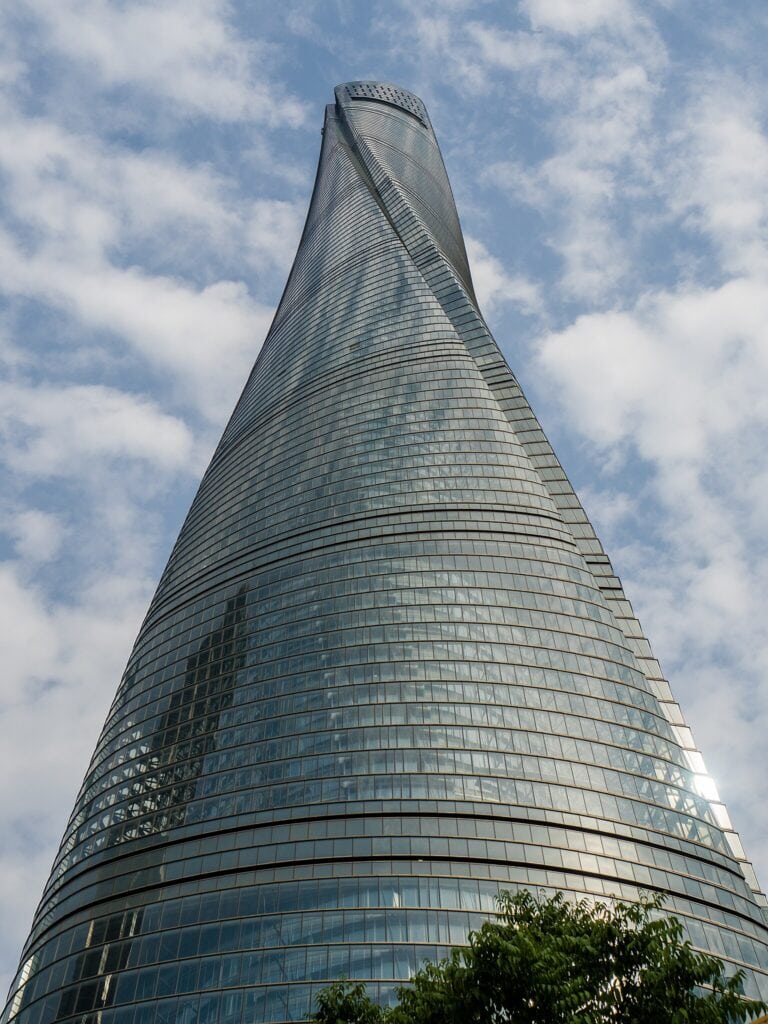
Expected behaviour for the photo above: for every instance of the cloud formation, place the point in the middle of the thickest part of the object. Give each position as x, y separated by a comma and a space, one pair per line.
185, 52
495, 287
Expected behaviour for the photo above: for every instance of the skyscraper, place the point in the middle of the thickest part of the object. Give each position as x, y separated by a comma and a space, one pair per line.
388, 669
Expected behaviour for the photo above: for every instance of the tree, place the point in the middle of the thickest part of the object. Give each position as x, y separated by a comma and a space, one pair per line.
344, 1003
548, 961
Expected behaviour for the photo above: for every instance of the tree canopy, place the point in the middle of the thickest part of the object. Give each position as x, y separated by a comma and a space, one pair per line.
550, 961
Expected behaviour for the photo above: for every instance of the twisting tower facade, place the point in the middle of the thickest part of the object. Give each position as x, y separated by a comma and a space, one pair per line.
388, 669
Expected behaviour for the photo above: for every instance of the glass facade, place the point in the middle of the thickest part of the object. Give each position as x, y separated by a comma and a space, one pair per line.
387, 671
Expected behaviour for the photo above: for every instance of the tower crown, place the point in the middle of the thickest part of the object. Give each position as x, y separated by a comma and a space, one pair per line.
383, 92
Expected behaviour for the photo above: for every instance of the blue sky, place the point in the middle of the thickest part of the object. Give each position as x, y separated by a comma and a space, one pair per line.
609, 161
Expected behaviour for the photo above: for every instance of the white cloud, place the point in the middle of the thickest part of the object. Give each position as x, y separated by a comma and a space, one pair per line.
37, 534
673, 376
273, 230
593, 72
86, 194
607, 510
81, 201
494, 287
11, 356
434, 37
207, 337
185, 51
49, 431
580, 17
513, 51
601, 159
717, 173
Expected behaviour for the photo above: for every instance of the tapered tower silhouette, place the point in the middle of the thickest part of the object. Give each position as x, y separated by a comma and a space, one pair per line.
388, 669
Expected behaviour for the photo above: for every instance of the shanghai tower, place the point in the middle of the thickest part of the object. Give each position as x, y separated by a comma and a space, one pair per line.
388, 669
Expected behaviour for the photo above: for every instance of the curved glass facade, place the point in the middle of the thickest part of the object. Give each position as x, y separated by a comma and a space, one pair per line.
387, 671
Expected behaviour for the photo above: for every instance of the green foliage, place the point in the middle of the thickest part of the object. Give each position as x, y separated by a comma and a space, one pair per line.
555, 962
344, 1003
